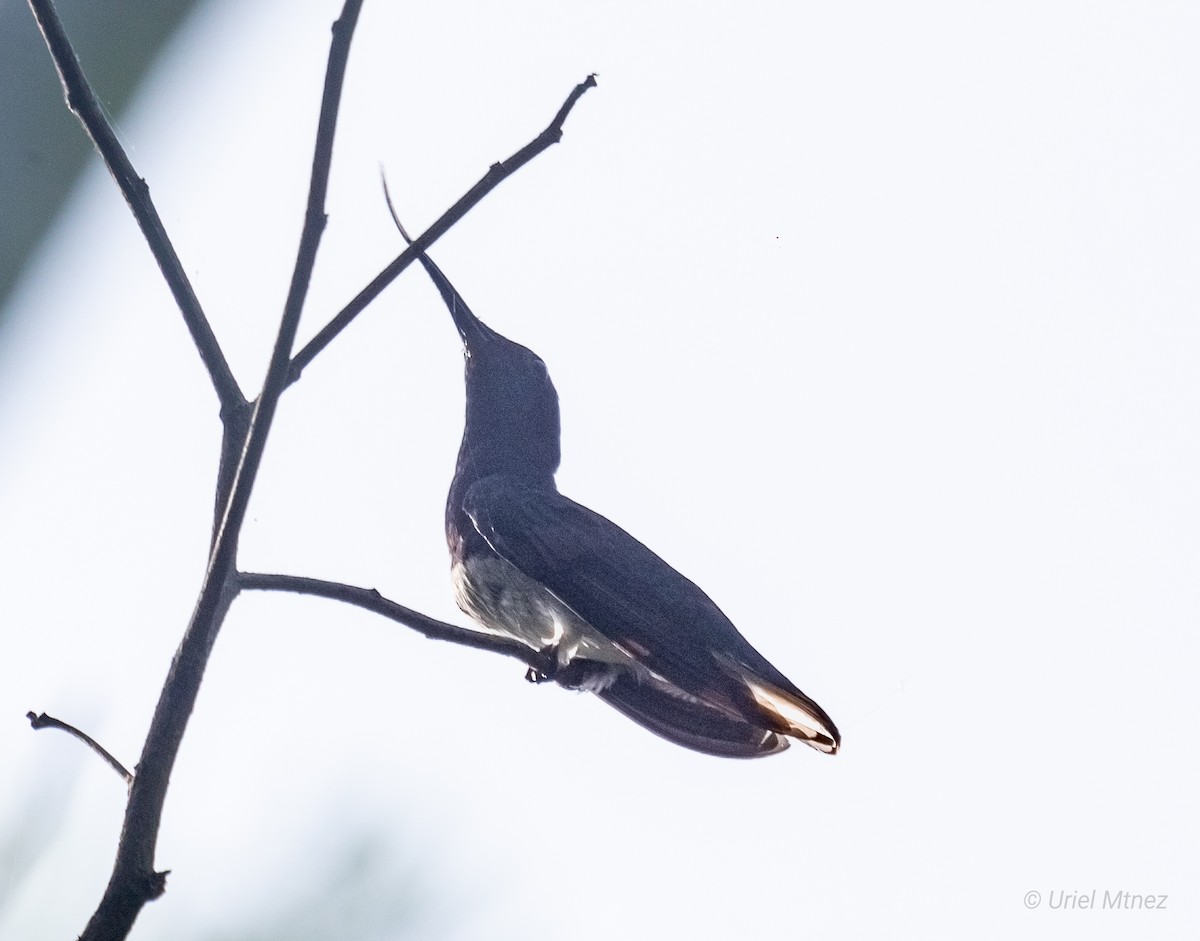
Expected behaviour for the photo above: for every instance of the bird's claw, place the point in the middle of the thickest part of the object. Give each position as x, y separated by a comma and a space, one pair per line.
546, 669
577, 673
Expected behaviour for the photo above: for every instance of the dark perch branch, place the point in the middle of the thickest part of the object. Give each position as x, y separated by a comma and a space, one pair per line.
372, 600
134, 880
496, 174
82, 101
43, 721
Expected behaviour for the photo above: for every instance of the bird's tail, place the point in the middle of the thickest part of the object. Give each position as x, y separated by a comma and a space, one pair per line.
786, 709
689, 722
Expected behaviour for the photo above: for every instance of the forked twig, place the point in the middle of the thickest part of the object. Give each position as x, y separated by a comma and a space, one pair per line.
134, 880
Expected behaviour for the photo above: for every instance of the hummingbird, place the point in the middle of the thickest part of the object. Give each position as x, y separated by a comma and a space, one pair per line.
604, 613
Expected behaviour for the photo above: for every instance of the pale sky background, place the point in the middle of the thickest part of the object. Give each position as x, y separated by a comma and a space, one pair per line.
878, 321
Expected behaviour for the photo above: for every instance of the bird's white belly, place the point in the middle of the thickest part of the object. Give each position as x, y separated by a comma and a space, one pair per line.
507, 601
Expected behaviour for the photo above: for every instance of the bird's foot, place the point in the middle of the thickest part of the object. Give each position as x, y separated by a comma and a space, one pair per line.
579, 673
546, 669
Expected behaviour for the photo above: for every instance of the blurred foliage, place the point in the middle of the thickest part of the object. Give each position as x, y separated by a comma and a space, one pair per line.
43, 148
361, 889
31, 823
348, 879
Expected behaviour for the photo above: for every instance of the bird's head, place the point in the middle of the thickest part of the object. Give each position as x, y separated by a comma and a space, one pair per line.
512, 406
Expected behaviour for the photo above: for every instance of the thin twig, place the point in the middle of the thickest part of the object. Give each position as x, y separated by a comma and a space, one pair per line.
306, 257
495, 175
372, 600
43, 721
82, 101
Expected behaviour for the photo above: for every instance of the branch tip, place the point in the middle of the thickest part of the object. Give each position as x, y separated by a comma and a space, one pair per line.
496, 174
44, 721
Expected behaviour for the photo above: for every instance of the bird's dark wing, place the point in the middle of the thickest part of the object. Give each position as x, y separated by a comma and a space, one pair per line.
690, 722
635, 599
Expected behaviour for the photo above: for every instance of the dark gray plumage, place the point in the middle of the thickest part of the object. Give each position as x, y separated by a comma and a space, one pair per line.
610, 615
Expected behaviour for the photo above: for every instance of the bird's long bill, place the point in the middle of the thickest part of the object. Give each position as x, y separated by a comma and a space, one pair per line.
472, 330
470, 327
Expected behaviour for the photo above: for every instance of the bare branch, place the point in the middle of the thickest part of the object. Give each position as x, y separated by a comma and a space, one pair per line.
82, 101
43, 721
372, 600
134, 882
495, 175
